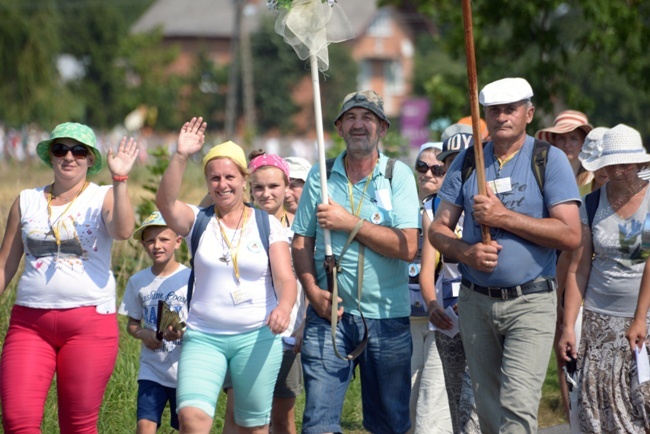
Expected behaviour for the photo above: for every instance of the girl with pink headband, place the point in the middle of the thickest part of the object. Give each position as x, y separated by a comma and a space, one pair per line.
269, 183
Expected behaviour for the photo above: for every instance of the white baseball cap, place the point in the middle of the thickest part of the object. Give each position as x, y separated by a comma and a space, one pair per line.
298, 167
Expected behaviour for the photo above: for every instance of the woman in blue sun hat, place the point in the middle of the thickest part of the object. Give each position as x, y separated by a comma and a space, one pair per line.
64, 320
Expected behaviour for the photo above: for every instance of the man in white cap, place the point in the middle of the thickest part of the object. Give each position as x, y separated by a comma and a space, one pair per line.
507, 302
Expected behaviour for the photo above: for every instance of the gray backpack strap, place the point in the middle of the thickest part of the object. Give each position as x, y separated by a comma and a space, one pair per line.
264, 228
202, 220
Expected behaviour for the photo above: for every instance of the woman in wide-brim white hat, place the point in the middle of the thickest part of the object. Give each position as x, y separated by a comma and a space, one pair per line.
606, 272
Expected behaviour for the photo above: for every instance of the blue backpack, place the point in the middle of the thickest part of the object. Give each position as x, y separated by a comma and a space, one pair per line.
202, 220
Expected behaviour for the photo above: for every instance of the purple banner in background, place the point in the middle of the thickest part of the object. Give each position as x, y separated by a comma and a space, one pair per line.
415, 121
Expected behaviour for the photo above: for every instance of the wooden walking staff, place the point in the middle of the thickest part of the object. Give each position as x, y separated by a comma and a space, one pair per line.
473, 102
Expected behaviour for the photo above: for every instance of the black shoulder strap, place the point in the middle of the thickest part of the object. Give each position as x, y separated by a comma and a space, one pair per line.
390, 165
591, 204
468, 164
202, 220
537, 162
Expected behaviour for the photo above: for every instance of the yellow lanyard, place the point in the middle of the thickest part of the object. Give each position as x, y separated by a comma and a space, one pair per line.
284, 218
351, 192
53, 226
241, 235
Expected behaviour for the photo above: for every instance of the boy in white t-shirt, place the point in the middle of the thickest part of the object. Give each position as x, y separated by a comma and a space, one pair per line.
165, 280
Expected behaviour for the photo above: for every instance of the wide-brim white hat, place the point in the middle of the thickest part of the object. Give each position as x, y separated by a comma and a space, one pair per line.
620, 145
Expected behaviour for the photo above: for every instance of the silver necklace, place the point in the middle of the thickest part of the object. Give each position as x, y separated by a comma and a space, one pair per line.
226, 257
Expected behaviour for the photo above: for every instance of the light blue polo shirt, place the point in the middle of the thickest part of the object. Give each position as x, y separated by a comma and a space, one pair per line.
385, 280
520, 261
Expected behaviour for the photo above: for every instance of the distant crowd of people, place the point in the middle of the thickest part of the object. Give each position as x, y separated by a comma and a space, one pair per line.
444, 293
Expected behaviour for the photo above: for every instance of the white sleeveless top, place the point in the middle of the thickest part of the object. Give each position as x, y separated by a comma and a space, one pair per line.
75, 273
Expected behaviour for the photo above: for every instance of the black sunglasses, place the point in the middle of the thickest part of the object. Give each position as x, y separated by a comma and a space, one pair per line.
60, 150
436, 169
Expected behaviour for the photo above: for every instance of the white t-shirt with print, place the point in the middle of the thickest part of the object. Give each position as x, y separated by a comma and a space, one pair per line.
221, 305
619, 260
140, 302
77, 271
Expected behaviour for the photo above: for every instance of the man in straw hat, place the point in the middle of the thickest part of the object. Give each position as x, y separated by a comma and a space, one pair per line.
507, 301
387, 212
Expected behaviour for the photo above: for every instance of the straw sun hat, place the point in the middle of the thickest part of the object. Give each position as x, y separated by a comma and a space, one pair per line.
565, 122
619, 145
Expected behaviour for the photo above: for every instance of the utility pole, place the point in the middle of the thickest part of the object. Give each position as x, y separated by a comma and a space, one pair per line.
233, 74
247, 71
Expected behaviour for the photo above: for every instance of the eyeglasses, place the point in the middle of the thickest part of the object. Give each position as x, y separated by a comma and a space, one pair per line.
79, 152
436, 169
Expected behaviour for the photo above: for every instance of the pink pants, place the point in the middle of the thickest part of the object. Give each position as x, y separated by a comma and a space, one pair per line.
79, 345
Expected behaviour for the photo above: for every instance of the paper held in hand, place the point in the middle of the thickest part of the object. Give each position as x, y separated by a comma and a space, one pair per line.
454, 330
642, 363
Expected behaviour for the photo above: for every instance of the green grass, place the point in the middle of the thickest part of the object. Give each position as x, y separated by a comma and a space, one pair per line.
119, 407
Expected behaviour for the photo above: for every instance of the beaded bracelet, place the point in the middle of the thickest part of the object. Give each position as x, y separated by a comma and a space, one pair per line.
120, 178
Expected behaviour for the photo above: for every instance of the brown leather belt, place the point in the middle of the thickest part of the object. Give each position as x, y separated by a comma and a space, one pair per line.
507, 293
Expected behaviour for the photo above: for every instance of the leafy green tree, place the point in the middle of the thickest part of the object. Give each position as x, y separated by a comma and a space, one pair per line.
277, 70
570, 51
339, 80
143, 61
207, 92
29, 89
95, 33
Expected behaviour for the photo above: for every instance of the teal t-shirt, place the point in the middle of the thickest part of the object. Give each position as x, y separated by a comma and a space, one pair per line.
385, 280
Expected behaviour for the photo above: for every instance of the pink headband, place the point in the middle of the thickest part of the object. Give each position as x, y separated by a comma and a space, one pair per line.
269, 160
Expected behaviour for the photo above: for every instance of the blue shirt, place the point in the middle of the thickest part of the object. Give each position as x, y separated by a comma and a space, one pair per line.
520, 261
385, 280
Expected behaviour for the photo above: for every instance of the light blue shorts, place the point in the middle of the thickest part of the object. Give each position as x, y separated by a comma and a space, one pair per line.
253, 360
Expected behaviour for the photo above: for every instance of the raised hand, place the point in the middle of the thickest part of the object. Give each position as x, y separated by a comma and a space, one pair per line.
121, 163
191, 137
